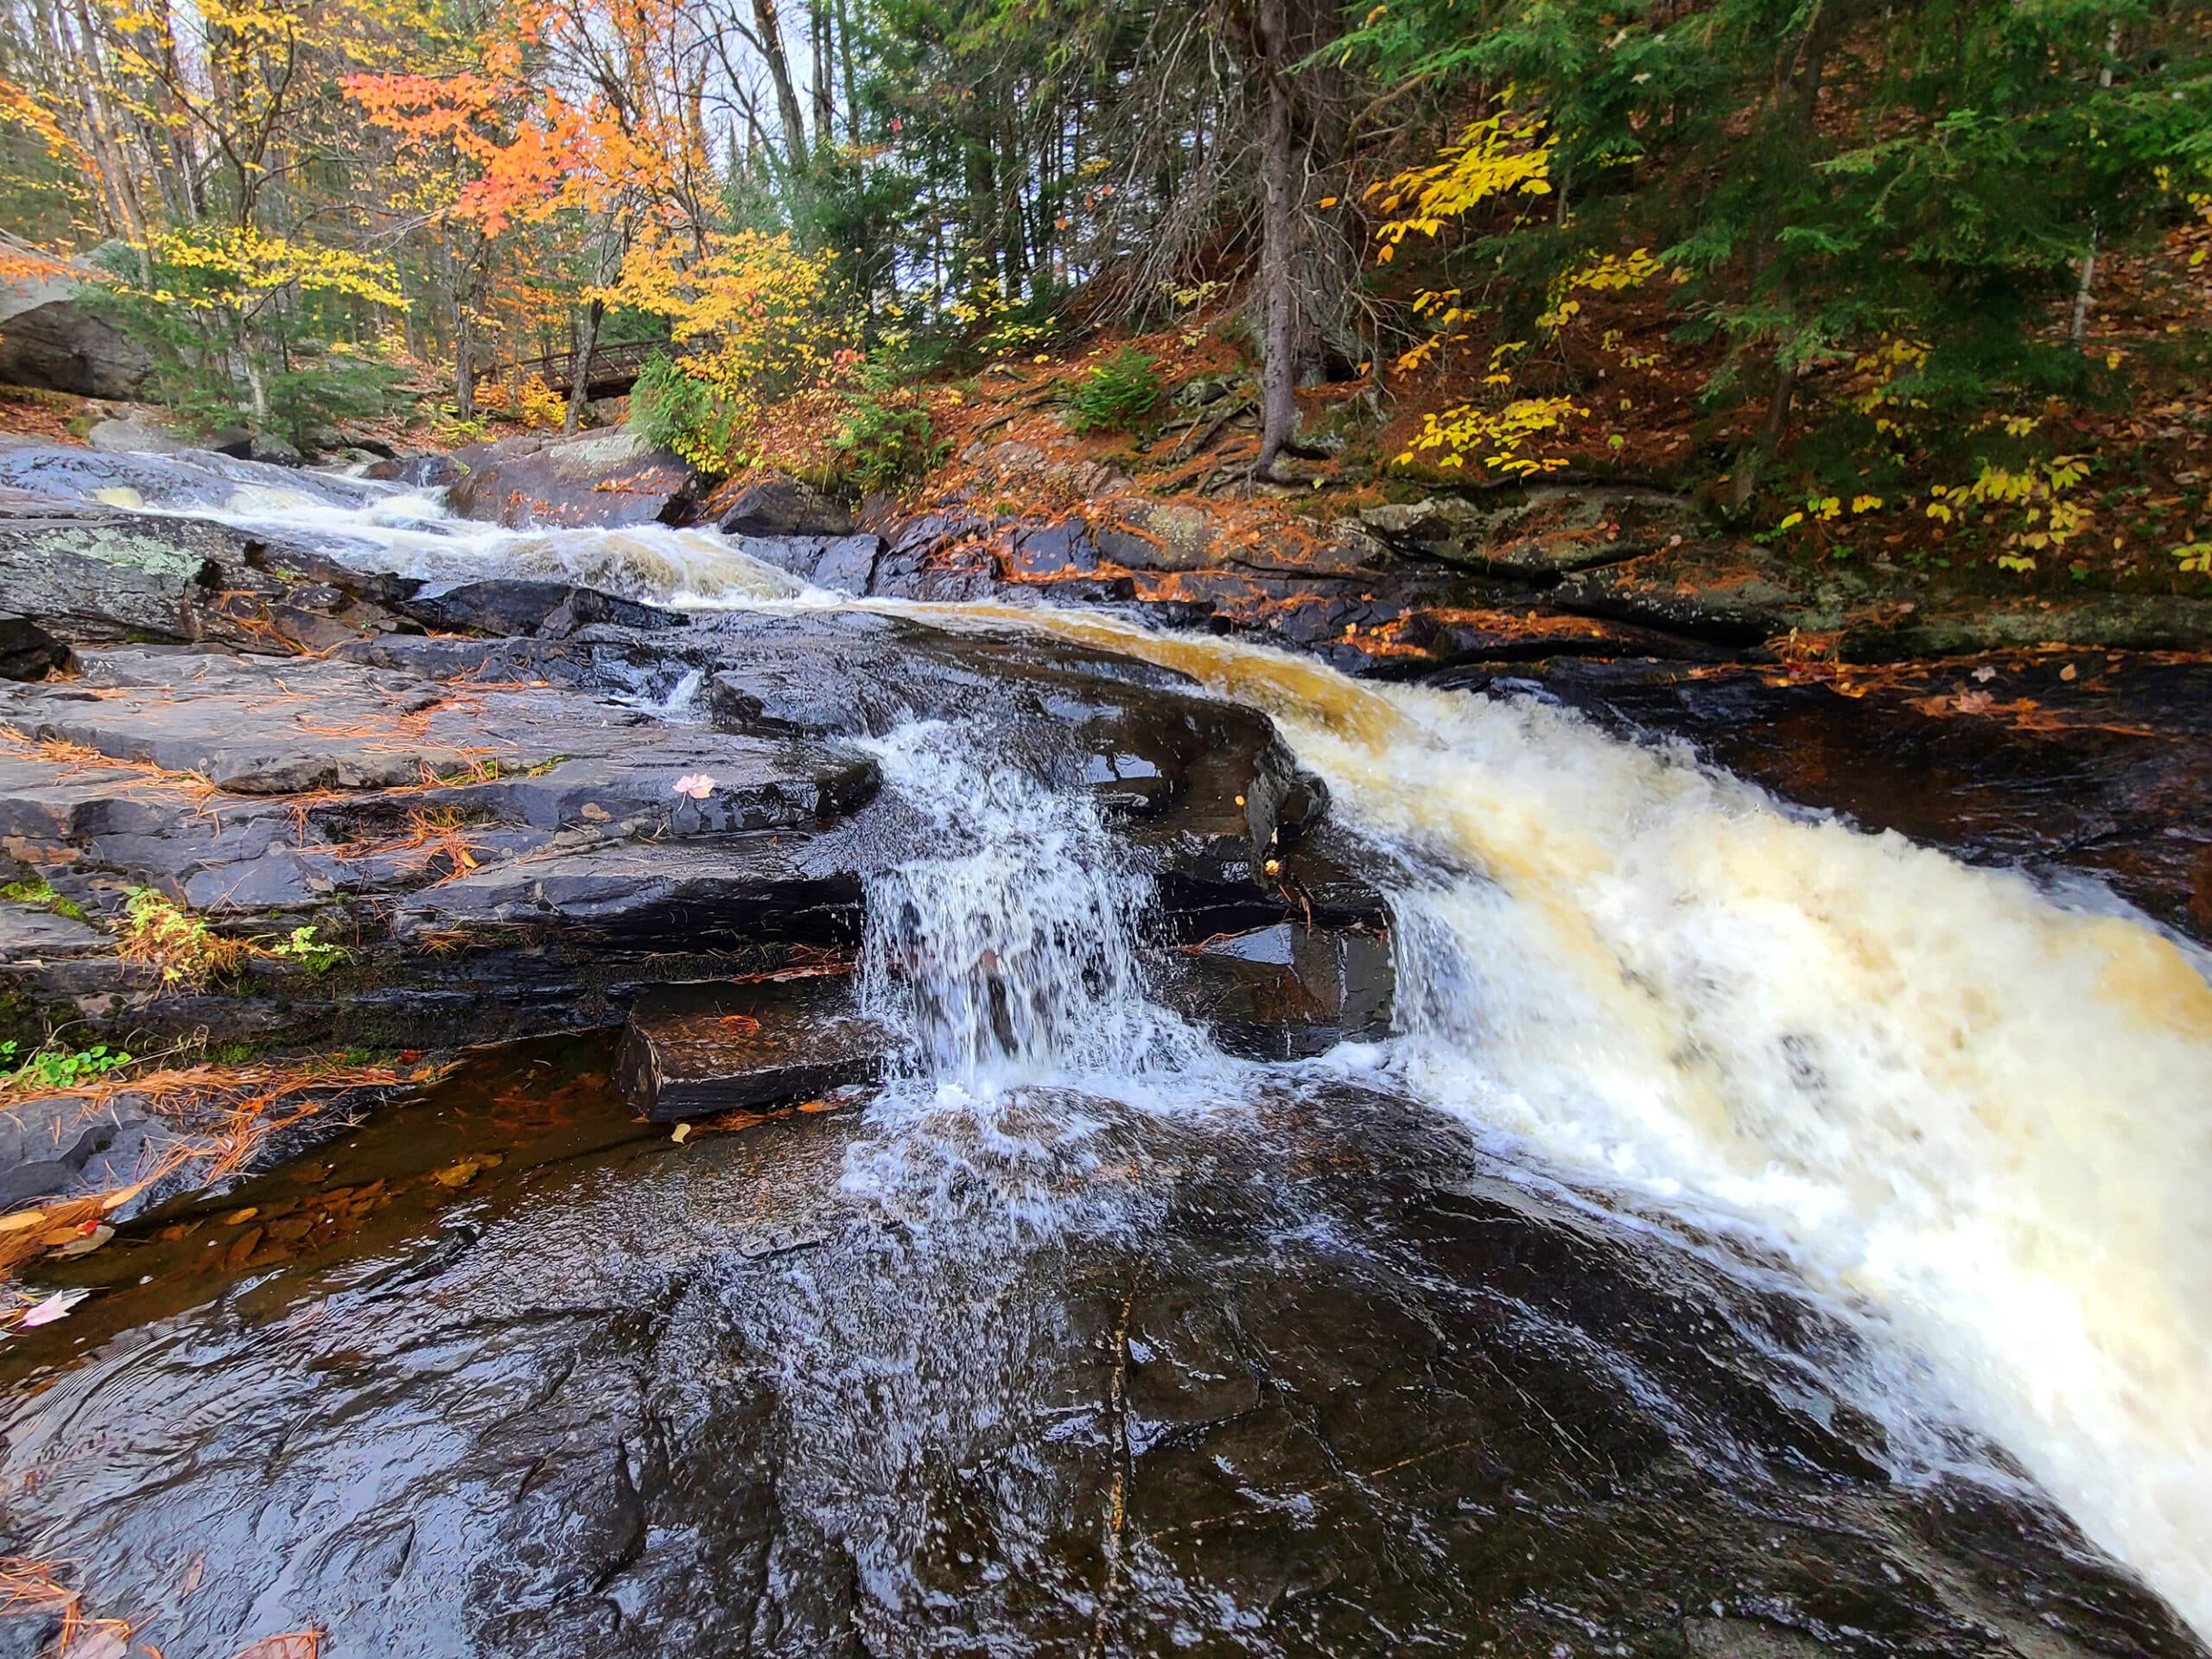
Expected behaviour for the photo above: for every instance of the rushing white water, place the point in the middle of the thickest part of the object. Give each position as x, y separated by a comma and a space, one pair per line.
1979, 1118
1007, 950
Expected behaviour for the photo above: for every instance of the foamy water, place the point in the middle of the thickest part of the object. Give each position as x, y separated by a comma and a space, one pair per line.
1973, 1117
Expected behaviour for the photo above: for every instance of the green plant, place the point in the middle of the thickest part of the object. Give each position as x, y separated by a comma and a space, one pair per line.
887, 439
452, 432
50, 1068
188, 953
1116, 395
37, 890
302, 946
673, 409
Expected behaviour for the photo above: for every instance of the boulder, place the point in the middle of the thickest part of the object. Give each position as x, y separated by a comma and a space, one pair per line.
700, 1050
49, 337
846, 564
27, 650
781, 506
417, 472
133, 436
552, 608
607, 479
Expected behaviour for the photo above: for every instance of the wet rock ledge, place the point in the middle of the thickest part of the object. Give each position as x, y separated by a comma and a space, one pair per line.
484, 836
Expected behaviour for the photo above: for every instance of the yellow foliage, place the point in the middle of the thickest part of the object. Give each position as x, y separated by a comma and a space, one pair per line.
540, 406
751, 313
260, 265
1504, 432
2036, 495
1608, 273
1500, 156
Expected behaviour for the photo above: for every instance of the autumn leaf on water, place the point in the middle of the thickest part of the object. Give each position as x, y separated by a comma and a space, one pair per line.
56, 1307
697, 785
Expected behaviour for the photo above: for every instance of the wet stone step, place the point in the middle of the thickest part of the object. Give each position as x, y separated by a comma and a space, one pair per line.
697, 1050
1288, 991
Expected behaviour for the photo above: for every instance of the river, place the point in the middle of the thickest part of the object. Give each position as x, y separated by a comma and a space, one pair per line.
1753, 1231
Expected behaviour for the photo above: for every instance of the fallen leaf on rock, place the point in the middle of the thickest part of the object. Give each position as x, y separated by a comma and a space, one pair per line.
239, 1217
1985, 674
101, 1643
739, 1025
2068, 672
85, 1245
683, 1133
56, 1307
697, 785
460, 1174
1973, 703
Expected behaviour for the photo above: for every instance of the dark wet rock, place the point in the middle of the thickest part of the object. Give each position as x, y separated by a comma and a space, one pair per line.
555, 609
778, 506
885, 1382
1540, 530
2161, 622
492, 825
1288, 990
268, 448
417, 472
846, 564
98, 575
28, 651
1727, 594
67, 1146
49, 337
699, 1051
640, 897
593, 477
1744, 1638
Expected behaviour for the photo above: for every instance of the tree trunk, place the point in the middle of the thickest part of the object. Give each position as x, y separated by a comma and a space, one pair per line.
1278, 250
579, 384
464, 372
779, 71
825, 83
852, 79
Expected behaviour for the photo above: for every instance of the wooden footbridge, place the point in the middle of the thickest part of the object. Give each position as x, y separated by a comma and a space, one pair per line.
613, 371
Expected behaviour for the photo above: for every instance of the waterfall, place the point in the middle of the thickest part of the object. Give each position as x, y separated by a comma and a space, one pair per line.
1977, 1120
1975, 1117
1008, 953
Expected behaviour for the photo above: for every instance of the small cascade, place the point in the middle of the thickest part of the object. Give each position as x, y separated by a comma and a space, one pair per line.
1010, 956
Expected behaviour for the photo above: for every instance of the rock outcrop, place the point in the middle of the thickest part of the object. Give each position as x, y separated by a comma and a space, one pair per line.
50, 338
591, 478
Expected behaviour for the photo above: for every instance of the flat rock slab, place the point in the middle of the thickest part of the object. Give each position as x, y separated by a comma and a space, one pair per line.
698, 1050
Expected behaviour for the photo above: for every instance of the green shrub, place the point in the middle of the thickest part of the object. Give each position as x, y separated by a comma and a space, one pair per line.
887, 440
672, 409
1117, 395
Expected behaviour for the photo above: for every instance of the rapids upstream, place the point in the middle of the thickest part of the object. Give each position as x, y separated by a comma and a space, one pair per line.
1844, 1135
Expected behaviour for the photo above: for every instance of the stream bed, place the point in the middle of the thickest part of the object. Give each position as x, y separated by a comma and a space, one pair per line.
1753, 1236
